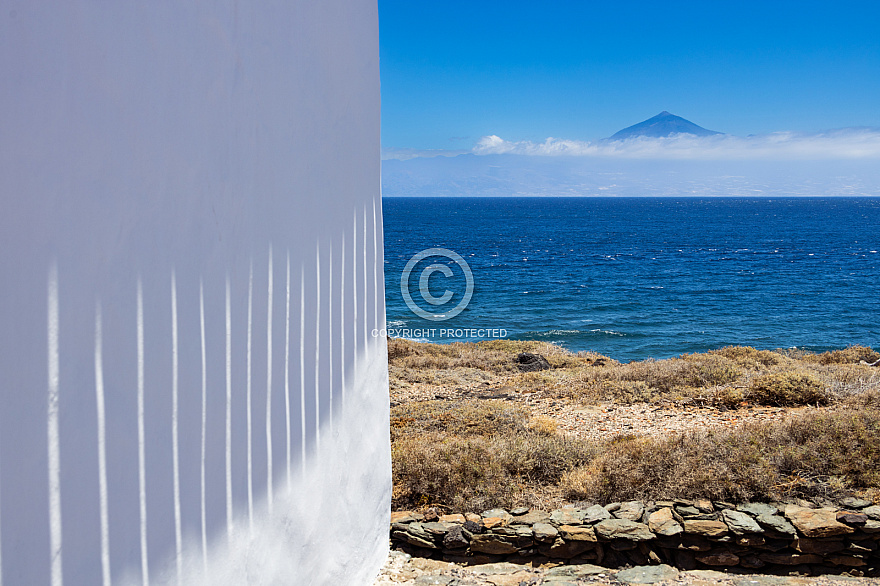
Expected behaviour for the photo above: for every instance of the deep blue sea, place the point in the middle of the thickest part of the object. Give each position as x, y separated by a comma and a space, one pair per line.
635, 278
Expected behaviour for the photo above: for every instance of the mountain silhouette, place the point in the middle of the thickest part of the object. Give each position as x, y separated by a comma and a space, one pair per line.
662, 125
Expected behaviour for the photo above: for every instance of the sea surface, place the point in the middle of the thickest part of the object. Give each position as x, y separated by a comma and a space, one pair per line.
637, 278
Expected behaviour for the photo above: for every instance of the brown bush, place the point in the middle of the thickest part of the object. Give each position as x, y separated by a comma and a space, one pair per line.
849, 355
473, 473
749, 357
788, 388
813, 455
457, 418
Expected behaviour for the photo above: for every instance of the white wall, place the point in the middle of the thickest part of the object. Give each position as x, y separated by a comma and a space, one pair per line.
190, 220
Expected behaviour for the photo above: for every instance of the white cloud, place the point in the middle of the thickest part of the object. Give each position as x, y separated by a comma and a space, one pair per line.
846, 143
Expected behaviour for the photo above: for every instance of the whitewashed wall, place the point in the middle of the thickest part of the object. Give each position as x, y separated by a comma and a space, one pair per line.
190, 267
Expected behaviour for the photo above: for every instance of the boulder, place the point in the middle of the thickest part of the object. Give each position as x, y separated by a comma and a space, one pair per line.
406, 517
533, 517
414, 535
854, 503
493, 544
564, 549
595, 514
577, 533
435, 528
871, 527
647, 574
663, 523
704, 505
496, 513
632, 511
575, 571
852, 518
530, 362
757, 509
816, 522
776, 523
705, 528
457, 537
544, 532
492, 522
623, 529
567, 516
740, 523
431, 580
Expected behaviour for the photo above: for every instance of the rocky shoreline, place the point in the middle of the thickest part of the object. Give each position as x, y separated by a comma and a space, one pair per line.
755, 538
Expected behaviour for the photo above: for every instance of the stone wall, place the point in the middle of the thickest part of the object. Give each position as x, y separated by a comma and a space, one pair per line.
756, 537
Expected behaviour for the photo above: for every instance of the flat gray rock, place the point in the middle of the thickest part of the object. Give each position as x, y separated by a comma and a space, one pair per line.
496, 569
855, 503
575, 571
567, 516
595, 514
623, 529
707, 574
647, 574
765, 581
532, 517
740, 523
873, 512
757, 509
776, 523
434, 581
632, 511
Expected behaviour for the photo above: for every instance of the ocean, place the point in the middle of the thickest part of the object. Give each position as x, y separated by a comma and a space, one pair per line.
637, 278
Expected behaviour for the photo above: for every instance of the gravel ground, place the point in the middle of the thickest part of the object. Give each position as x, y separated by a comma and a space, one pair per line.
402, 570
604, 421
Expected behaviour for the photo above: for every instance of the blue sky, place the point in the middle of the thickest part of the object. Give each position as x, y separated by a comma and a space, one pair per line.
454, 71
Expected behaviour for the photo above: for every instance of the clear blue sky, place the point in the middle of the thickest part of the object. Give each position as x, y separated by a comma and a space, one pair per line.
454, 71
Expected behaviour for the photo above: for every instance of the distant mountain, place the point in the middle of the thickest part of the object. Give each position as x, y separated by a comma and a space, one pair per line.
662, 125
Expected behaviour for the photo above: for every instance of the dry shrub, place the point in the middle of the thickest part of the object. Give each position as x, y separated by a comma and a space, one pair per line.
710, 370
729, 397
542, 425
749, 357
477, 472
849, 355
788, 388
814, 455
650, 380
626, 392
454, 418
532, 381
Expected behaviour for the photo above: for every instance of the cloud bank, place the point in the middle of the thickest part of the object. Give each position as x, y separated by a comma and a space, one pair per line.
845, 143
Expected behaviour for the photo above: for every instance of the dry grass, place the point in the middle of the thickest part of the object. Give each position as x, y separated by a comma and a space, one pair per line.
815, 455
476, 454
